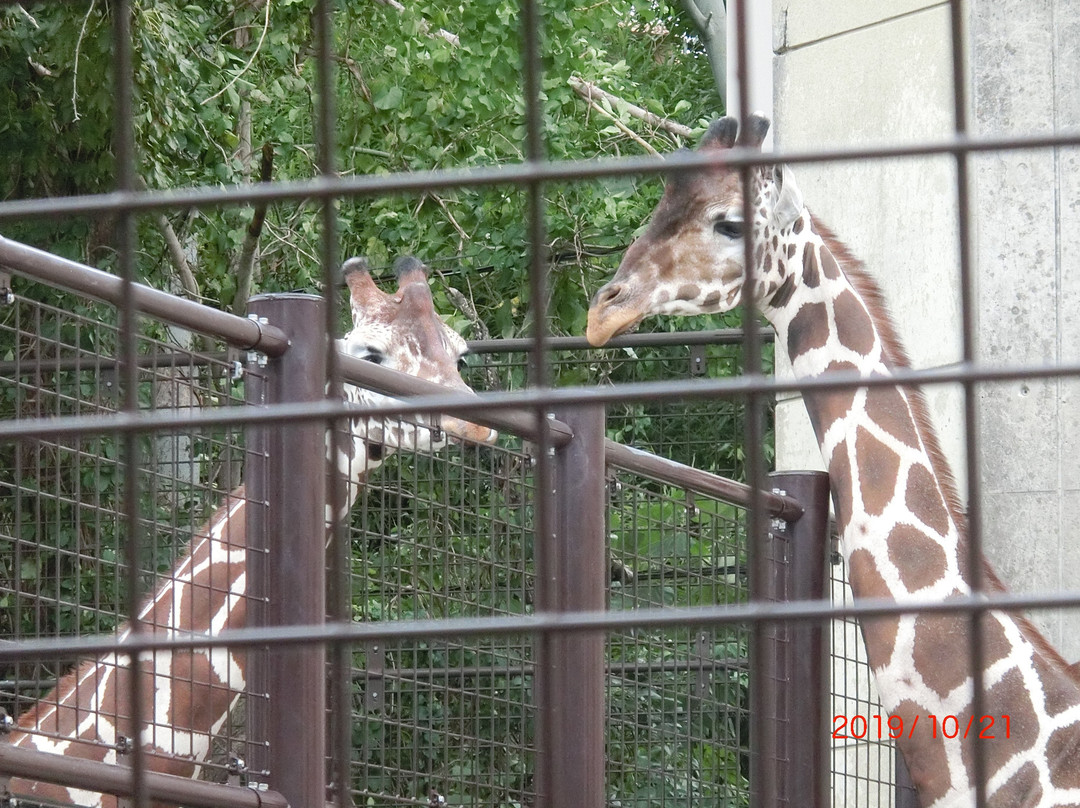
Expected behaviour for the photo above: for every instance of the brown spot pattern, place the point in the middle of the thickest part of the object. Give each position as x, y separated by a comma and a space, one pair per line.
879, 632
1008, 696
940, 638
809, 329
925, 756
923, 498
840, 474
878, 467
1059, 688
711, 299
890, 411
811, 273
1063, 754
688, 291
829, 265
854, 328
1023, 788
920, 560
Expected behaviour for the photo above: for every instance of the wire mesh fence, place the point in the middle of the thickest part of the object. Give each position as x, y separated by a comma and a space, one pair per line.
63, 558
432, 536
439, 716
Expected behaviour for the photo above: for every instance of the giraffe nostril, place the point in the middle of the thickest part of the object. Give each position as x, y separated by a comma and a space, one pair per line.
609, 293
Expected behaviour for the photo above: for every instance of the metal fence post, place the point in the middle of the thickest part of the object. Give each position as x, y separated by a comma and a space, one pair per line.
290, 496
905, 795
570, 666
792, 671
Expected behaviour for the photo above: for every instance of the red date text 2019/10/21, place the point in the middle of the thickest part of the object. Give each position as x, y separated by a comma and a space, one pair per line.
879, 727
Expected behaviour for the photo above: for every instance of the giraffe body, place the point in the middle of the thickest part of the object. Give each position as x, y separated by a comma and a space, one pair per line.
189, 694
903, 532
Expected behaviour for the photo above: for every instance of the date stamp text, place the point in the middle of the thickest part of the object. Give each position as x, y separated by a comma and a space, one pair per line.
882, 727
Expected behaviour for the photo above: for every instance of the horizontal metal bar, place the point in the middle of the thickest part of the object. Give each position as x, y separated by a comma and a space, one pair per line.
718, 336
683, 476
92, 775
66, 274
325, 187
484, 405
394, 383
659, 617
624, 669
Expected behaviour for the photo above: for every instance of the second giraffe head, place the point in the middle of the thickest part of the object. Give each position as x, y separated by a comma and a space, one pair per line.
691, 258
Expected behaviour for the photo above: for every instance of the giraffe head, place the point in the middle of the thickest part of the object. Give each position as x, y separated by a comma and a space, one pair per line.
402, 331
690, 260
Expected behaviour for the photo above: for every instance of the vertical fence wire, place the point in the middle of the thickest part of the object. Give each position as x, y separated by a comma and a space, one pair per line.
424, 708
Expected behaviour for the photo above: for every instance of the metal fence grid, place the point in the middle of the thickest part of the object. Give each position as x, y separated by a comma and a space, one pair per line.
458, 717
863, 770
62, 520
530, 175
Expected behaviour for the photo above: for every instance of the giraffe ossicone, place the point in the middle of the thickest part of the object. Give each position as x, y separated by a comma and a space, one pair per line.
903, 532
190, 693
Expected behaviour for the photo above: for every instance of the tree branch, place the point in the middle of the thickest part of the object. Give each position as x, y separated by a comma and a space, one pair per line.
591, 93
176, 251
245, 264
424, 27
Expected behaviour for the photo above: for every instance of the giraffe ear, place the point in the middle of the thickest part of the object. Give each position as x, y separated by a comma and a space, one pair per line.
410, 270
358, 278
754, 134
720, 134
789, 202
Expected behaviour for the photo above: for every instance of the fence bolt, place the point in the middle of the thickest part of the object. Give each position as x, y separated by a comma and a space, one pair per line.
236, 769
7, 723
123, 745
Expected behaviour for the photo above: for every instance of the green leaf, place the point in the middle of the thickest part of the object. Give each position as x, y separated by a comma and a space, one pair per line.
388, 99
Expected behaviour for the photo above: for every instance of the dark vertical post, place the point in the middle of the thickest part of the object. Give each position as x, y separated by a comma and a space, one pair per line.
295, 496
906, 796
793, 693
570, 666
256, 471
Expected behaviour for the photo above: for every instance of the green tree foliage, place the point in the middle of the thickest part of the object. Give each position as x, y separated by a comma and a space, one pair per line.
436, 86
407, 99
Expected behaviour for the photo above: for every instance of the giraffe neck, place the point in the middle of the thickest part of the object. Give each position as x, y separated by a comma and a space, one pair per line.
189, 694
903, 539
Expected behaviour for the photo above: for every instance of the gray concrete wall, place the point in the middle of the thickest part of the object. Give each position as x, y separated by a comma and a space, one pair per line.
845, 76
853, 72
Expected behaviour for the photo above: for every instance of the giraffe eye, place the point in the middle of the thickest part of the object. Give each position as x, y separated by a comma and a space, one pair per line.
462, 363
728, 228
369, 354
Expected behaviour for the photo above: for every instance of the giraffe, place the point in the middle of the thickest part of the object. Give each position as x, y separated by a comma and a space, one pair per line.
189, 694
903, 532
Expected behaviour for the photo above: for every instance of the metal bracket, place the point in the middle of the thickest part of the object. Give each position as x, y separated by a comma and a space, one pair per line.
699, 364
236, 770
123, 745
703, 647
374, 680
257, 357
779, 527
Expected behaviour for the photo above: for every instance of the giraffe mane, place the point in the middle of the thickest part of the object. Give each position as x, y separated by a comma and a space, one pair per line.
869, 290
